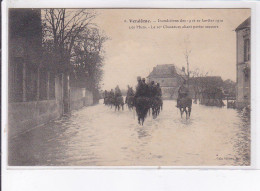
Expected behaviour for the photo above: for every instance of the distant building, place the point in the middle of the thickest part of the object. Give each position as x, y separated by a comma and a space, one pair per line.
170, 78
243, 63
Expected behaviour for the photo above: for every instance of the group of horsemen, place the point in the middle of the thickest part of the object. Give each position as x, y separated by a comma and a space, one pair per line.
151, 90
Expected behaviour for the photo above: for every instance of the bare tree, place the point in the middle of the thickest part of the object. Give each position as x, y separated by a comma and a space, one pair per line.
198, 83
88, 57
61, 30
187, 53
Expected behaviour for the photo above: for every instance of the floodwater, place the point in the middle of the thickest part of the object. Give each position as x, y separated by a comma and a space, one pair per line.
100, 136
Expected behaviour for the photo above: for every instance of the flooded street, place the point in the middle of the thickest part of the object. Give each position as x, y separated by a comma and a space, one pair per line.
97, 136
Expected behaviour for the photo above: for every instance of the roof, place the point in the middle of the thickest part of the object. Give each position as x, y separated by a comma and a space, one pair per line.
166, 71
245, 24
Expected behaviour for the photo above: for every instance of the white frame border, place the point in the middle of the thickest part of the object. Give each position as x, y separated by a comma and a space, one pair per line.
136, 4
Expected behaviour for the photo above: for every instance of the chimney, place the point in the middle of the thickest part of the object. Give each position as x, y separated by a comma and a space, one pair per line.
183, 69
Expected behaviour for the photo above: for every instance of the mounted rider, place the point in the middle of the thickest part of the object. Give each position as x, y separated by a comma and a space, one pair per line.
111, 94
182, 92
158, 90
141, 88
130, 92
105, 94
152, 89
145, 88
118, 92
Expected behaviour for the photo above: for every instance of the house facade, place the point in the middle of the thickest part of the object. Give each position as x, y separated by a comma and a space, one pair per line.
170, 79
35, 90
243, 37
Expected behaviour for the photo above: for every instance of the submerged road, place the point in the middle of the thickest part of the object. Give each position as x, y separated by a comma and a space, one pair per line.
99, 136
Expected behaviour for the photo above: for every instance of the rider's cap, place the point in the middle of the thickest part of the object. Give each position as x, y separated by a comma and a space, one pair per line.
143, 79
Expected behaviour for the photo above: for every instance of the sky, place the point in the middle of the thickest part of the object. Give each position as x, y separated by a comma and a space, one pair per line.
130, 53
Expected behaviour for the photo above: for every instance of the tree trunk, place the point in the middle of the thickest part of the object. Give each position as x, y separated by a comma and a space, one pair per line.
66, 93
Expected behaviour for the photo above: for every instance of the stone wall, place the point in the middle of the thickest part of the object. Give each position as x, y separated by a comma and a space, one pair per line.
243, 82
88, 98
23, 116
80, 97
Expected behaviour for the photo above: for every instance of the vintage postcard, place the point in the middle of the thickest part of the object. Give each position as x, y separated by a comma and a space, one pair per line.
129, 87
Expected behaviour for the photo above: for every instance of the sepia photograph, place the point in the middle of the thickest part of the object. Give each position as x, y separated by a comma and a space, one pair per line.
129, 87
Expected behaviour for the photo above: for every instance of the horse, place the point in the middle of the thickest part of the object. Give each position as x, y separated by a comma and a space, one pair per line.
130, 102
142, 105
185, 103
119, 101
106, 100
110, 101
156, 105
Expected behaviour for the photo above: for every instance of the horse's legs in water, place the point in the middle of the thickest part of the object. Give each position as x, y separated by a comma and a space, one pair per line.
181, 111
189, 111
142, 121
139, 120
186, 112
122, 107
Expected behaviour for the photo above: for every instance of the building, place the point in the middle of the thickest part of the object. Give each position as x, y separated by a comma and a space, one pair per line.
170, 78
35, 90
243, 38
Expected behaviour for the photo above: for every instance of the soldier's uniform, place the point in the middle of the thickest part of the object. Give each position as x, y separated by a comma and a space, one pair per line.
130, 91
158, 90
152, 89
138, 91
182, 92
112, 94
145, 89
118, 92
105, 94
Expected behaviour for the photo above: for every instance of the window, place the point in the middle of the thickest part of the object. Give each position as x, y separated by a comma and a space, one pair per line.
246, 50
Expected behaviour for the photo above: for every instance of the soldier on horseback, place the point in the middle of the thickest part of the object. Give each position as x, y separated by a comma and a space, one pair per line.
118, 92
159, 90
142, 88
111, 94
130, 93
152, 89
118, 101
182, 92
105, 96
141, 100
